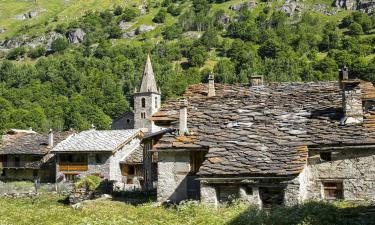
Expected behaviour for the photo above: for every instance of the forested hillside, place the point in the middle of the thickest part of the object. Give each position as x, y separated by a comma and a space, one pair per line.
69, 65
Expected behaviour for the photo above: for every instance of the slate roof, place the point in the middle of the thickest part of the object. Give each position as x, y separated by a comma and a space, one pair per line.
20, 142
135, 157
263, 130
96, 140
148, 83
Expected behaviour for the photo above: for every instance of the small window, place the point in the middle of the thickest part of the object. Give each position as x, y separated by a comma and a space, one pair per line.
326, 156
143, 115
156, 102
100, 158
128, 121
227, 194
249, 190
143, 102
129, 170
71, 176
333, 190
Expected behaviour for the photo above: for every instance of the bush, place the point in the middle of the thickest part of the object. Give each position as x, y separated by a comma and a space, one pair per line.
16, 53
160, 16
355, 29
59, 45
114, 31
174, 10
129, 14
37, 52
118, 11
91, 182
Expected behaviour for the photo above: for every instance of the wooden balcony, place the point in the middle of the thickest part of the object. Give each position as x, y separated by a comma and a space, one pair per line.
73, 167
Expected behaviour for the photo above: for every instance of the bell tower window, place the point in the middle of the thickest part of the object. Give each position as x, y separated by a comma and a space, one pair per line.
156, 102
143, 103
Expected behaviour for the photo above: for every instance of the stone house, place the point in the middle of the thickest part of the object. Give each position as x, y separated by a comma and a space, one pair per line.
25, 155
282, 143
99, 152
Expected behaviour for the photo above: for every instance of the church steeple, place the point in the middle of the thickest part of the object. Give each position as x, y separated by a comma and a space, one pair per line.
147, 99
148, 83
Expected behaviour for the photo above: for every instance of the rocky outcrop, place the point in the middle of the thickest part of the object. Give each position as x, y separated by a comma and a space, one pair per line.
192, 34
44, 40
345, 4
125, 25
76, 36
140, 30
246, 5
30, 15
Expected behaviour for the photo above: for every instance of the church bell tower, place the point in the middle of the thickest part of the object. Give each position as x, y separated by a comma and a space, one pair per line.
147, 99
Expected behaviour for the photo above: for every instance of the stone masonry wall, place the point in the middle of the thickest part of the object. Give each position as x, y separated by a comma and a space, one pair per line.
115, 169
355, 168
150, 108
173, 168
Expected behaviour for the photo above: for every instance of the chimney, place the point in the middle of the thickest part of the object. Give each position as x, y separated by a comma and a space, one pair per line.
351, 99
183, 118
256, 80
211, 85
50, 138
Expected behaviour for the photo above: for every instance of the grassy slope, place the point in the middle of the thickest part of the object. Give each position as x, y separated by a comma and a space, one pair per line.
49, 209
63, 10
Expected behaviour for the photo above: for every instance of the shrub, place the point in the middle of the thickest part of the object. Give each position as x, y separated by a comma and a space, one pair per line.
355, 29
91, 182
37, 52
129, 14
174, 10
59, 45
160, 16
16, 53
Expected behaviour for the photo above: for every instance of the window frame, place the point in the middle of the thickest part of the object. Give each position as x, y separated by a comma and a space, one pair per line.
333, 190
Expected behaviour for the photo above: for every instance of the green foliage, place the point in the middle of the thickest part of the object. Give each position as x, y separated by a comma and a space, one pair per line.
174, 9
59, 45
355, 29
90, 182
49, 209
16, 53
129, 14
197, 55
160, 16
37, 52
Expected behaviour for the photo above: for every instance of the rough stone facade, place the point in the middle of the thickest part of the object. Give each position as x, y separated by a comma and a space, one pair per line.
173, 169
352, 104
142, 114
354, 168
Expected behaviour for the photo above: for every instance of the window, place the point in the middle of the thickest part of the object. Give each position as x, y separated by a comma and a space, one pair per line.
100, 158
227, 194
143, 102
156, 102
143, 115
249, 190
326, 156
128, 121
129, 170
333, 190
71, 176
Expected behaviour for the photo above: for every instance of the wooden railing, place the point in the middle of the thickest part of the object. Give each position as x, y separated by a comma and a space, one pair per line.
73, 167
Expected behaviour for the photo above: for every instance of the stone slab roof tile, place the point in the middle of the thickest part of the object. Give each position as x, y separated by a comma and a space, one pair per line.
273, 124
96, 140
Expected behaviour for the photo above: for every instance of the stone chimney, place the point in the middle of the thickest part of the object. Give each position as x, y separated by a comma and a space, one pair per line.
50, 138
351, 99
211, 85
183, 118
256, 80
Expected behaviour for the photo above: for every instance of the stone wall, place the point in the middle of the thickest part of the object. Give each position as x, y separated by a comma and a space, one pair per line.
115, 169
355, 168
152, 105
173, 168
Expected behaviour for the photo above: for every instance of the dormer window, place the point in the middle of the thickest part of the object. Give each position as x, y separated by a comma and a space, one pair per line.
143, 103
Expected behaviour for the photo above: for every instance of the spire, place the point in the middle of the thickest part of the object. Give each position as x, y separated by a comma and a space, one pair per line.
148, 79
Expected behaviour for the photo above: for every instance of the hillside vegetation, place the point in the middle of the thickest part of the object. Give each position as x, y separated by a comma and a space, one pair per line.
49, 209
77, 62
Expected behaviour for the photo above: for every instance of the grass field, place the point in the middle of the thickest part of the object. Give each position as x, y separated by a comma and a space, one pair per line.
50, 209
